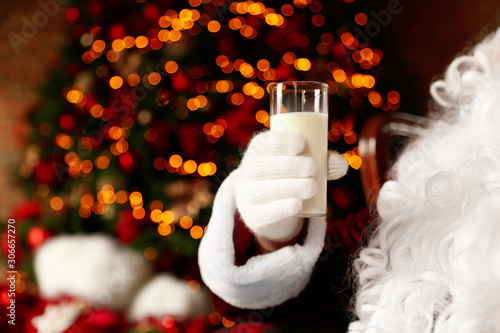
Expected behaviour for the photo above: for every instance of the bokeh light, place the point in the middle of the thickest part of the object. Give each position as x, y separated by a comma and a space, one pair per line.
115, 82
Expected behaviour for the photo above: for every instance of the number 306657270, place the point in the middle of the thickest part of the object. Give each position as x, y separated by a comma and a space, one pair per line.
11, 241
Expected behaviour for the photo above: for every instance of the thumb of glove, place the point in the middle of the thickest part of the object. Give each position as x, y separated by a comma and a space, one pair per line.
337, 165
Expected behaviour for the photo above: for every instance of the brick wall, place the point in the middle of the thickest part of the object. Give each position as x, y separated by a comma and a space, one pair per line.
24, 58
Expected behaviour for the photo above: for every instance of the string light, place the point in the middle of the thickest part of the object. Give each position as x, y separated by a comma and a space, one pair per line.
262, 117
150, 253
102, 162
375, 99
74, 96
215, 318
302, 64
236, 98
196, 232
353, 159
193, 286
128, 42
361, 19
56, 203
190, 166
393, 97
154, 78
98, 46
339, 75
186, 222
175, 161
135, 199
288, 58
195, 3
115, 82
171, 67
287, 10
213, 26
227, 323
121, 197
168, 217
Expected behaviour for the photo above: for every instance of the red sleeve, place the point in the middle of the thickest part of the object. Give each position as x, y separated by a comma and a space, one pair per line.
244, 243
245, 247
342, 240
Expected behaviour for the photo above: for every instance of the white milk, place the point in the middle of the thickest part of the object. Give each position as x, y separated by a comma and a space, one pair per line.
313, 127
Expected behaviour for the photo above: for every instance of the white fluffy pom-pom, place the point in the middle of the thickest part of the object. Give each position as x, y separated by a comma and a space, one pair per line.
94, 268
57, 318
166, 295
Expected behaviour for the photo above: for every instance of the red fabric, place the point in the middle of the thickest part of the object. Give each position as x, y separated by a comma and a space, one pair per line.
244, 243
99, 321
323, 305
348, 233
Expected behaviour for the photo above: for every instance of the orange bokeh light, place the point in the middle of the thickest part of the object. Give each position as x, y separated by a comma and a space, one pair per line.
115, 82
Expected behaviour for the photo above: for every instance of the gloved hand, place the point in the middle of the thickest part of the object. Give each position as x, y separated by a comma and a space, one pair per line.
272, 181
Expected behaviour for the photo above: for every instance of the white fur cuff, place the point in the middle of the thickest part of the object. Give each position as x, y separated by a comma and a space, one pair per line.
265, 280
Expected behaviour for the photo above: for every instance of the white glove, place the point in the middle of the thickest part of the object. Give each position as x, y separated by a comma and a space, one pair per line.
274, 179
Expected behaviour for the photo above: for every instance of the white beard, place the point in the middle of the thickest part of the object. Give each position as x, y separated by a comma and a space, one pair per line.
433, 264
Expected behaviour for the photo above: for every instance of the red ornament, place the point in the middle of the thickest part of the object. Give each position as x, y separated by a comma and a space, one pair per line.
127, 162
26, 210
67, 122
72, 14
151, 12
128, 227
49, 171
36, 236
180, 82
117, 31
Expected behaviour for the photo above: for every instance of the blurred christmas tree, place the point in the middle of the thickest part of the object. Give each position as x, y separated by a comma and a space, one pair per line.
147, 109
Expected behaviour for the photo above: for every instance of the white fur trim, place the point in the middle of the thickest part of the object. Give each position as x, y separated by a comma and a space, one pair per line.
94, 268
57, 318
166, 295
265, 280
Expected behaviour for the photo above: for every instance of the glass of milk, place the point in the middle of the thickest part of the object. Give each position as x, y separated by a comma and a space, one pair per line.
302, 107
